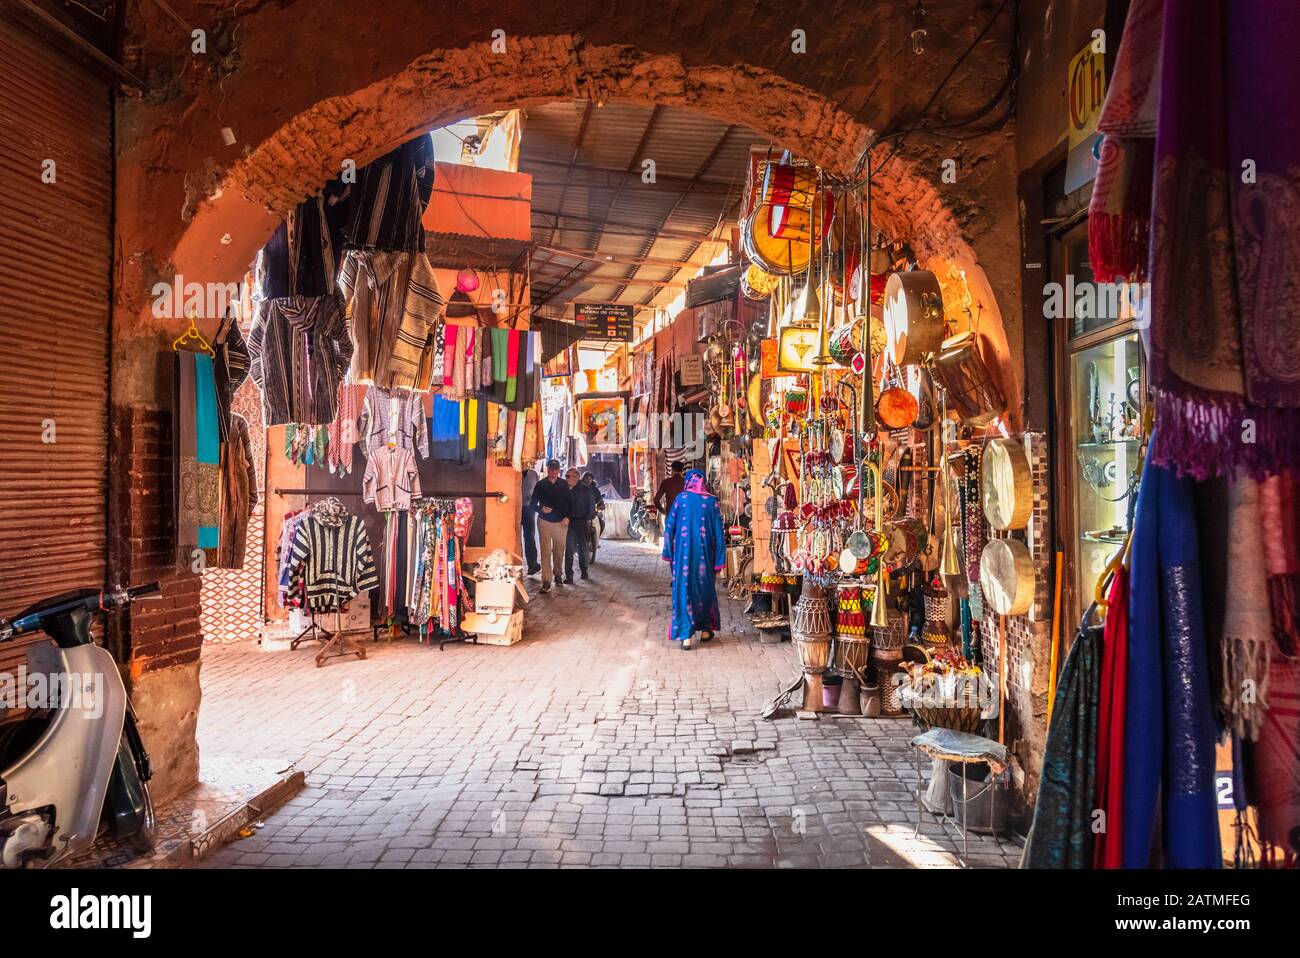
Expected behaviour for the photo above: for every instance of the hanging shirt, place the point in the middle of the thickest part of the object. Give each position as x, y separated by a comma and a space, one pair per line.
332, 563
392, 417
299, 349
391, 479
302, 256
396, 306
386, 204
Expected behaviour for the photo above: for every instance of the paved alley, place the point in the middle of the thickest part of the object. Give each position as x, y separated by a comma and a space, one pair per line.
593, 742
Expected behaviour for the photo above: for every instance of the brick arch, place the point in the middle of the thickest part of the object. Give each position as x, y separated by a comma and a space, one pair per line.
244, 205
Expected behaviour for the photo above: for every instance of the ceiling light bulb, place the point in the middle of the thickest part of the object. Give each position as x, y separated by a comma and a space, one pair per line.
918, 28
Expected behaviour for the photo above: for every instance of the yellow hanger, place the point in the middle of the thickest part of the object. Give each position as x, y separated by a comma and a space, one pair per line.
193, 340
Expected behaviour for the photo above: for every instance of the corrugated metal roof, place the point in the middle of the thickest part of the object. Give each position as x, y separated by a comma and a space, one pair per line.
589, 197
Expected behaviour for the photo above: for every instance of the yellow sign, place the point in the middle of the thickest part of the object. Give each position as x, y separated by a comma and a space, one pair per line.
1085, 94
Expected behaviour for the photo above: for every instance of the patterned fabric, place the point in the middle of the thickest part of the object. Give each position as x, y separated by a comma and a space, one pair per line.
395, 306
385, 207
196, 432
300, 350
332, 561
393, 418
238, 494
232, 365
344, 431
695, 545
1061, 835
392, 479
302, 256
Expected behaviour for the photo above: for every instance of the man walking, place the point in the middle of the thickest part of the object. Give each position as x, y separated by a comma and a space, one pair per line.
582, 512
668, 492
528, 520
551, 500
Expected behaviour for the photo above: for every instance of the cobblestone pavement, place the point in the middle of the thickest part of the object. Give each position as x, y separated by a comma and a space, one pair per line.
593, 742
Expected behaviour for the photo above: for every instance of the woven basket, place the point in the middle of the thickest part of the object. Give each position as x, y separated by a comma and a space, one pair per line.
962, 715
936, 606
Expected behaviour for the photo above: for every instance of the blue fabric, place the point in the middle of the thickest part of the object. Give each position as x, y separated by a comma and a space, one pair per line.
1170, 813
695, 545
207, 432
444, 430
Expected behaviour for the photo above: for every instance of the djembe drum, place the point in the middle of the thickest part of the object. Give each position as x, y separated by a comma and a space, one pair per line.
810, 628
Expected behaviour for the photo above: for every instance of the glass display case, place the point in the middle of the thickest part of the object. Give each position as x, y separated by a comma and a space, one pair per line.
1100, 390
1106, 383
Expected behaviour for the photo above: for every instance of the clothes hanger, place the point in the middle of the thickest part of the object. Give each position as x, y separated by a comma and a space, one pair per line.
192, 340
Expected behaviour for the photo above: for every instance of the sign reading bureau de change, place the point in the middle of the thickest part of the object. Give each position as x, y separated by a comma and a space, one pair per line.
611, 321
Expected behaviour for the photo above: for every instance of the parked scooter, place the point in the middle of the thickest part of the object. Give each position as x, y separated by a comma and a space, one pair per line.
643, 519
78, 761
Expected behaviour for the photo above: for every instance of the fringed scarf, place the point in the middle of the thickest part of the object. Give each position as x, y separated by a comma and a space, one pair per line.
1279, 522
1247, 633
1223, 260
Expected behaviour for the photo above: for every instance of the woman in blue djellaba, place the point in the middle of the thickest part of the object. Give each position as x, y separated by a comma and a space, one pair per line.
695, 545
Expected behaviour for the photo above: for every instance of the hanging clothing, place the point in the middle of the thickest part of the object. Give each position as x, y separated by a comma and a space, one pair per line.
302, 256
332, 560
395, 306
1108, 846
392, 417
392, 478
695, 545
1200, 87
385, 206
238, 494
1170, 814
196, 435
444, 429
232, 364
344, 431
284, 557
299, 350
1061, 835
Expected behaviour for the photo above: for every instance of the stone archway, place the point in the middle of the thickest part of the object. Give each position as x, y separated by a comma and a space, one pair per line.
228, 210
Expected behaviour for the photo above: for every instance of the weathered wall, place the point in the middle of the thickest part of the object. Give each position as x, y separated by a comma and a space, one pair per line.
305, 85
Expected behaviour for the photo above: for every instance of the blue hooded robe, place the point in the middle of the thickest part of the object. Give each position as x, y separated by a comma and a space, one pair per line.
695, 545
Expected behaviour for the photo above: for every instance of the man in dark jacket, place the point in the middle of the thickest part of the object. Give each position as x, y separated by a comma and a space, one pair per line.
582, 510
668, 492
551, 500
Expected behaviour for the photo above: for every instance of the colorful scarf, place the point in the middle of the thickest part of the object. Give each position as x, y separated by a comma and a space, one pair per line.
1108, 849
1223, 263
1061, 835
1247, 633
1279, 522
197, 433
1169, 809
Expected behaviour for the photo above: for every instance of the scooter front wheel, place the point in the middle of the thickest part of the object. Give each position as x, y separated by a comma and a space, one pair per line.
144, 840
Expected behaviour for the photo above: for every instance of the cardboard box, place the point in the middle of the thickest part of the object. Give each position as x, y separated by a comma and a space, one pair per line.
494, 595
495, 629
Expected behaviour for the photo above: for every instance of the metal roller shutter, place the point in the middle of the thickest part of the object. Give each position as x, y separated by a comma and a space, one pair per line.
55, 270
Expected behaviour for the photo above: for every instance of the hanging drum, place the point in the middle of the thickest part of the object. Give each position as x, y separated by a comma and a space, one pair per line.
1007, 577
972, 394
1006, 484
776, 232
756, 283
913, 316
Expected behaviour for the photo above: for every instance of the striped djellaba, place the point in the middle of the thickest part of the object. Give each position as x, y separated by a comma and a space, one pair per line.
331, 563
